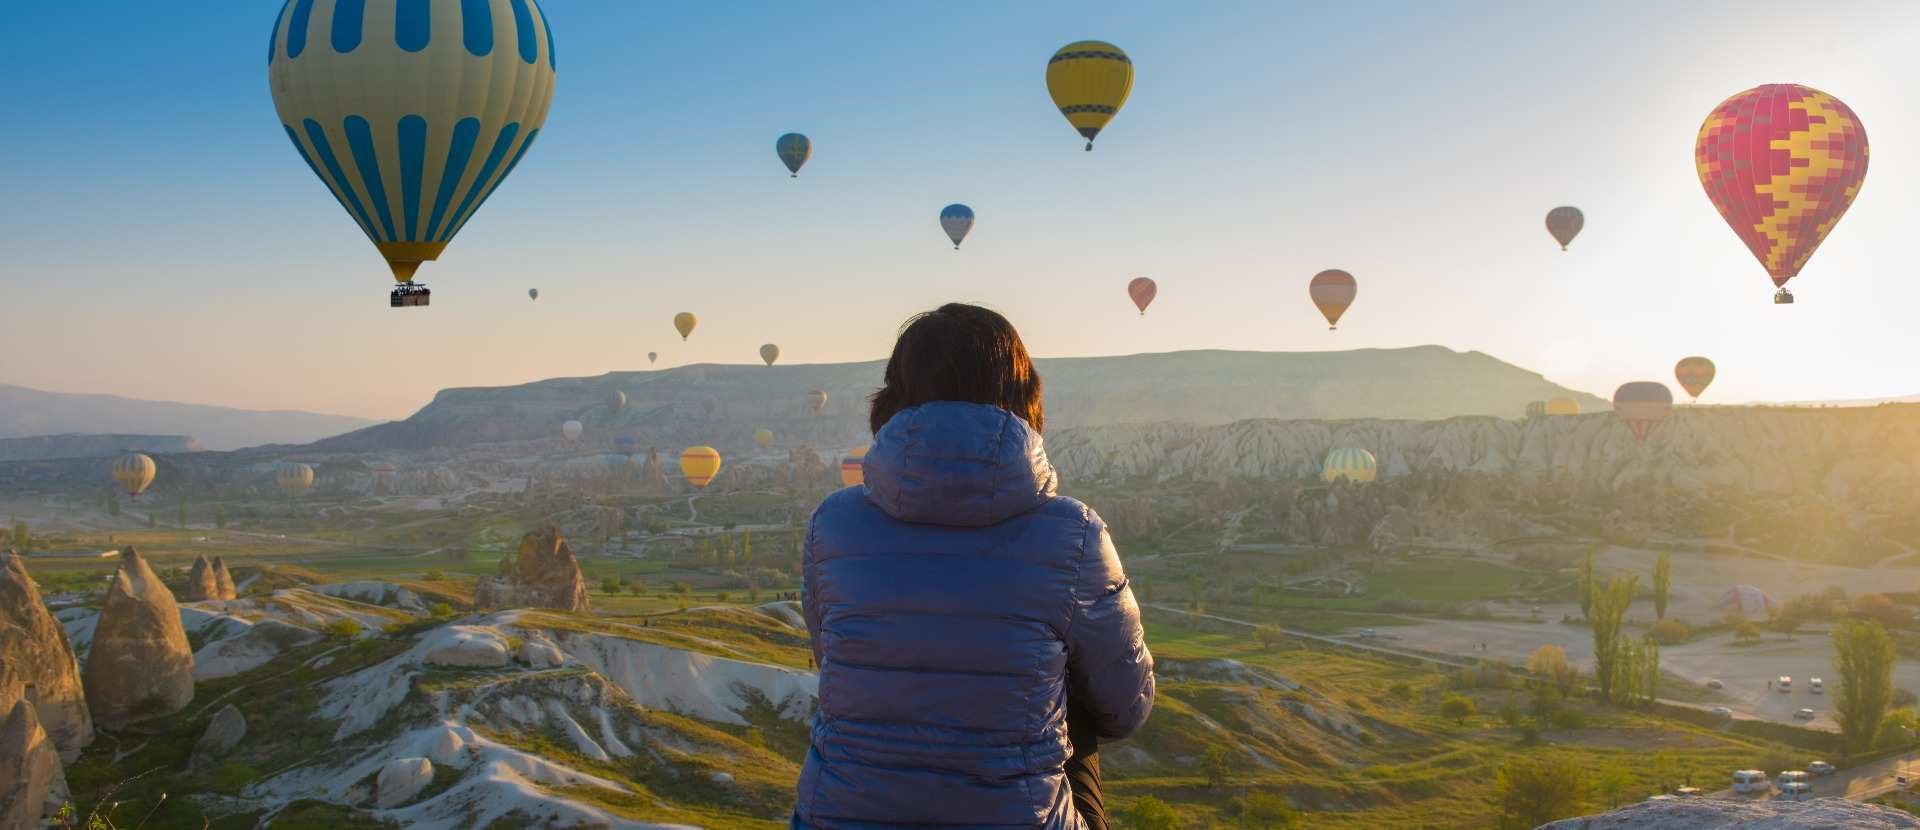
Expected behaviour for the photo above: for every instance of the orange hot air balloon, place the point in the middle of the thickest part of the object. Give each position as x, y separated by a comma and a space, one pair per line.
1332, 291
700, 465
684, 323
1695, 375
1142, 290
1561, 406
1782, 163
853, 468
1564, 223
1643, 404
817, 401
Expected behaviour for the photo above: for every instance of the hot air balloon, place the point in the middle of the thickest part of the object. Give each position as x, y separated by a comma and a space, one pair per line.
956, 219
294, 478
616, 401
1782, 163
763, 437
769, 353
653, 357
411, 111
853, 468
1142, 290
684, 323
1089, 81
1694, 374
1562, 406
134, 472
1351, 463
700, 465
533, 293
1643, 404
817, 401
794, 150
1332, 291
1565, 224
571, 430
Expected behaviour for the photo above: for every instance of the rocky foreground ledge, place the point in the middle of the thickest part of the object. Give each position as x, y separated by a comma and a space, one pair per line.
1719, 814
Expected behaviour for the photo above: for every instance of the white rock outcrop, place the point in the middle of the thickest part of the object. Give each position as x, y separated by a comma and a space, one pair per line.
401, 779
253, 647
468, 647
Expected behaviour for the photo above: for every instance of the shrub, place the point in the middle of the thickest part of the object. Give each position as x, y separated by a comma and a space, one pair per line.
1529, 735
1567, 718
1267, 810
345, 628
1149, 813
1670, 632
1458, 709
434, 575
1401, 691
1510, 715
440, 610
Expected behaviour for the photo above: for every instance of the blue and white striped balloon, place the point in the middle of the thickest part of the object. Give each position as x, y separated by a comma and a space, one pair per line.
411, 111
1351, 463
956, 220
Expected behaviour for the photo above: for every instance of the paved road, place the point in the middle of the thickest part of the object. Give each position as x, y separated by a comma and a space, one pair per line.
1860, 783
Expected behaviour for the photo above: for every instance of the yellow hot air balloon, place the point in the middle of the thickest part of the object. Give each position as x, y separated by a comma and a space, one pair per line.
684, 323
294, 478
763, 437
700, 465
1563, 406
1089, 81
411, 112
134, 472
853, 469
1351, 463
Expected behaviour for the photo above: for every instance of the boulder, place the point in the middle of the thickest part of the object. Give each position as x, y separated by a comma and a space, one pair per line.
223, 734
32, 784
543, 574
464, 647
202, 585
139, 663
540, 655
448, 749
250, 649
1742, 814
37, 663
401, 779
223, 579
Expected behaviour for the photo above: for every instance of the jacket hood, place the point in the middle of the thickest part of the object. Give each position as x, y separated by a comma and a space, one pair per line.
957, 464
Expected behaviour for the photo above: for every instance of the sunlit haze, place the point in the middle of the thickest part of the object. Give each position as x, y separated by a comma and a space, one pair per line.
163, 241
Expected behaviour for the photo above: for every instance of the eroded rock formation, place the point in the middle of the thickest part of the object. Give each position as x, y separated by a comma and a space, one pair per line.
1742, 814
202, 585
37, 663
139, 663
542, 574
32, 784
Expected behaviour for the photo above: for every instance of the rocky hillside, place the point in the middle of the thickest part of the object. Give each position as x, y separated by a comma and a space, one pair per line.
1742, 814
716, 404
42, 447
25, 412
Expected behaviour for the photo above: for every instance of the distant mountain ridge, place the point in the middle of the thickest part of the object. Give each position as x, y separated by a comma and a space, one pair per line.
46, 447
32, 412
723, 404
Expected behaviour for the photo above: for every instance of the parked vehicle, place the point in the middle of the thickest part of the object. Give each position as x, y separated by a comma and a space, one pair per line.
1796, 791
1820, 768
1715, 684
1689, 792
1816, 686
1803, 713
1784, 684
1722, 712
1791, 776
1751, 781
1368, 633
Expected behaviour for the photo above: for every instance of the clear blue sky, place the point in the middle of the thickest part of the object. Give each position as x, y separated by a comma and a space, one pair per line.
162, 239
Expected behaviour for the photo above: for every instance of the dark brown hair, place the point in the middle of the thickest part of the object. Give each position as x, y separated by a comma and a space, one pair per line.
959, 352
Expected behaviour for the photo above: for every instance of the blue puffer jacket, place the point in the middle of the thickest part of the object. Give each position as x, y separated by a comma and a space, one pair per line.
955, 603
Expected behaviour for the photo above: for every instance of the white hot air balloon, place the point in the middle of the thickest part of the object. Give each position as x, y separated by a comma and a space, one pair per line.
572, 430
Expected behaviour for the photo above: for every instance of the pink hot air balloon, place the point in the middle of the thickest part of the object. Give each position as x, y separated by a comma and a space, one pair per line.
1332, 291
1142, 289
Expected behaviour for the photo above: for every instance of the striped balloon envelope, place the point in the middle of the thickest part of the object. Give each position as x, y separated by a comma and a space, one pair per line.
700, 465
293, 477
134, 472
411, 111
956, 219
853, 467
1643, 404
1351, 463
1782, 163
1089, 81
1695, 374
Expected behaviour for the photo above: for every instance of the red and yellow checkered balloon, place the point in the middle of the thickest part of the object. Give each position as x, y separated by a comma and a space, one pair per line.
1782, 162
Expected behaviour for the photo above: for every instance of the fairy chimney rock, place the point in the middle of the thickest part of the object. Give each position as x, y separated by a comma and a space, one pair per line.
32, 784
37, 663
223, 580
139, 663
543, 574
202, 585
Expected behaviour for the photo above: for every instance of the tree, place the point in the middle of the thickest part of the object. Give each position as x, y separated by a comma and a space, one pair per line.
1612, 783
151, 522
1265, 810
1532, 793
746, 548
610, 585
1215, 765
113, 504
1665, 770
1269, 637
183, 512
1746, 632
1458, 708
1662, 580
636, 585
1587, 587
1549, 663
22, 539
1863, 657
1609, 610
1149, 813
219, 516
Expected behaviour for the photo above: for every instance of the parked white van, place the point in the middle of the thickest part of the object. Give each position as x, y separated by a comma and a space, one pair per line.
1792, 776
1816, 686
1796, 791
1751, 781
1785, 684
